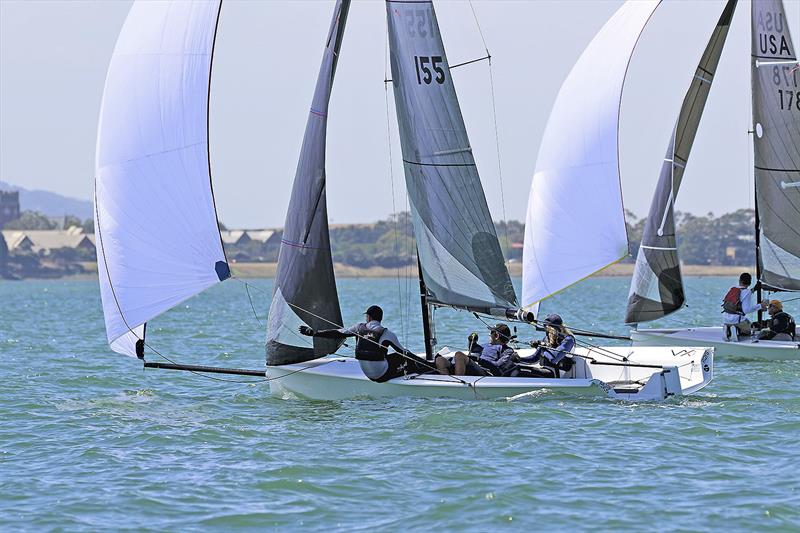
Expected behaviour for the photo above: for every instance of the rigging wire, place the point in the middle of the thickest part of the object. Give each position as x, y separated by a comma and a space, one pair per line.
403, 329
499, 164
478, 24
252, 306
496, 131
586, 344
337, 326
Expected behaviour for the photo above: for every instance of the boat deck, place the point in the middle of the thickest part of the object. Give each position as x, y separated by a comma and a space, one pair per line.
745, 347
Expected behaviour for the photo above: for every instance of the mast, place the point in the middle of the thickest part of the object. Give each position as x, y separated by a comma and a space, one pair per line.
758, 252
426, 320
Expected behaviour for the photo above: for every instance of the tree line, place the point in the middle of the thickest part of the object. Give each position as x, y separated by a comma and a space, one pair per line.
702, 240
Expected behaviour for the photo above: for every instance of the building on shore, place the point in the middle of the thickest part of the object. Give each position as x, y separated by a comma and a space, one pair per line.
234, 237
42, 242
262, 235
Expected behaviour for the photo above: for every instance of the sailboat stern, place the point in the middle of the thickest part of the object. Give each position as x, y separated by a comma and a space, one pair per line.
691, 369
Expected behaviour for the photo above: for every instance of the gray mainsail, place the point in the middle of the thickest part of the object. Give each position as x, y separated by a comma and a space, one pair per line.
657, 286
776, 146
460, 256
305, 286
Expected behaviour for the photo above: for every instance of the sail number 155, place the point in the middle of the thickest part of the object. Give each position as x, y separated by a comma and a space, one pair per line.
424, 74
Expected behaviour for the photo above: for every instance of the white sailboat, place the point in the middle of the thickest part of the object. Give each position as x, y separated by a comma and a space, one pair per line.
657, 285
156, 224
461, 264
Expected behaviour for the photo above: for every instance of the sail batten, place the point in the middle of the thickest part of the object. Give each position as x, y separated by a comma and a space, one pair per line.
776, 146
462, 264
155, 219
657, 285
305, 285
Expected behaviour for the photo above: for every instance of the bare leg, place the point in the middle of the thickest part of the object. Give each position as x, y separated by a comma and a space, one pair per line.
461, 363
442, 365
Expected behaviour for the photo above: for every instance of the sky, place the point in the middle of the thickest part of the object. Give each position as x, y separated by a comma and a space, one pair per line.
54, 56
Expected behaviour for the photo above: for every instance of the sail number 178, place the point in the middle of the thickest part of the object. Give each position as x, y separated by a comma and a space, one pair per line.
789, 99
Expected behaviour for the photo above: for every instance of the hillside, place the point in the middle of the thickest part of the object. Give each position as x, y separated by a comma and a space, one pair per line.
50, 203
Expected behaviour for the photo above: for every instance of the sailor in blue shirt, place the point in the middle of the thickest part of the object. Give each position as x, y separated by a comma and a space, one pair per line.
554, 350
493, 359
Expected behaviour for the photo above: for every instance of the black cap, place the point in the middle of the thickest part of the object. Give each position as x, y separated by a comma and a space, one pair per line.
553, 320
375, 312
502, 330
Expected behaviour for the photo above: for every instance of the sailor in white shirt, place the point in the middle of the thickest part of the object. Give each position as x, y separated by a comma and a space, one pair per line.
738, 303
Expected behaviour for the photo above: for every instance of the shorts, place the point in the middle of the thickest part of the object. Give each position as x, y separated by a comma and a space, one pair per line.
400, 365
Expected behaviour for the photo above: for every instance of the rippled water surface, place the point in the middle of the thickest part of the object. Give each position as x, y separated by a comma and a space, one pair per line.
88, 440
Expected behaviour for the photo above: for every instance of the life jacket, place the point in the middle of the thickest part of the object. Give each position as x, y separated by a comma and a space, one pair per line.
785, 324
732, 303
567, 360
368, 347
494, 358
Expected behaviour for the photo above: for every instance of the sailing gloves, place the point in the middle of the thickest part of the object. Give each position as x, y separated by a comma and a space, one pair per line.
305, 330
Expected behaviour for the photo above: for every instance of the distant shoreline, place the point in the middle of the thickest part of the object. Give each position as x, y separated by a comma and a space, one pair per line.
267, 270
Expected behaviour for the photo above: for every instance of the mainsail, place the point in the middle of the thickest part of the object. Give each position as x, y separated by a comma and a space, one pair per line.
776, 145
158, 241
460, 256
657, 286
575, 224
305, 286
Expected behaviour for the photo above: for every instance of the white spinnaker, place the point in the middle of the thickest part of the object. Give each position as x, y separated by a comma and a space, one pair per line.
155, 221
575, 224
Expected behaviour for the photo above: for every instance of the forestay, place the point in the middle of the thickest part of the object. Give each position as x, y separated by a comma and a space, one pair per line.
776, 145
462, 263
158, 241
657, 286
575, 224
305, 286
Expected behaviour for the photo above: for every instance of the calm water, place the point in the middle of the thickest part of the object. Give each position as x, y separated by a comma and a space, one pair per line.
88, 440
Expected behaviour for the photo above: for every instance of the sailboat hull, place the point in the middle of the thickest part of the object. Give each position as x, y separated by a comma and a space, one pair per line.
746, 348
669, 372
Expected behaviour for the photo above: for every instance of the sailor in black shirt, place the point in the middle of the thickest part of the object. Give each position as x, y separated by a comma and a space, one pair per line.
781, 324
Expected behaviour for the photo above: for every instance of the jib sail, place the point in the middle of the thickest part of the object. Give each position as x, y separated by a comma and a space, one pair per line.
305, 286
657, 285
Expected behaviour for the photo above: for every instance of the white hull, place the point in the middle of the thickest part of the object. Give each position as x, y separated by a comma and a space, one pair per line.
684, 371
745, 348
